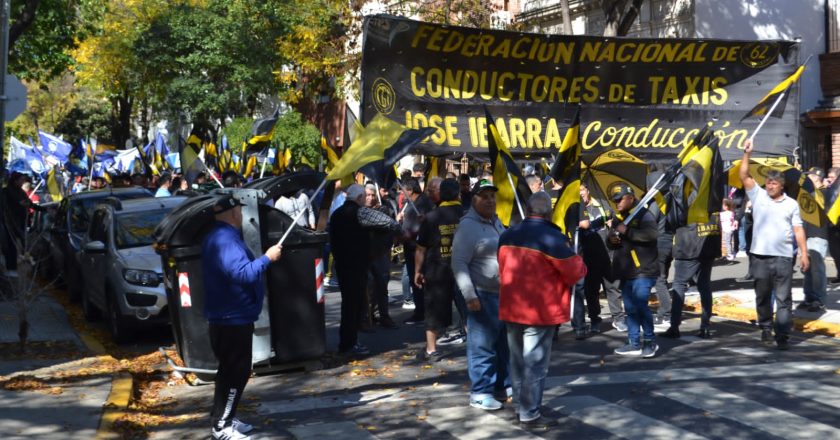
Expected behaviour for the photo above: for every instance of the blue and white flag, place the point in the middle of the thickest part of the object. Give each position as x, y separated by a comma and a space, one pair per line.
174, 160
55, 147
160, 145
25, 159
125, 160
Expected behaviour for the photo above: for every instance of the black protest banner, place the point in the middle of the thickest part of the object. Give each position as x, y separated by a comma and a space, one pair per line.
645, 95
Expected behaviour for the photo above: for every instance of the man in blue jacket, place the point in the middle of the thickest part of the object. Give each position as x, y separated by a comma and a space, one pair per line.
234, 298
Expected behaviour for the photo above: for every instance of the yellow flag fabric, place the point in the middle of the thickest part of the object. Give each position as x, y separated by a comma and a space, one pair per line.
513, 191
53, 186
566, 170
369, 146
767, 102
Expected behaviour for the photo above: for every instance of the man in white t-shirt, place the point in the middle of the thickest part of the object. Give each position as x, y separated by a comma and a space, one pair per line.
776, 222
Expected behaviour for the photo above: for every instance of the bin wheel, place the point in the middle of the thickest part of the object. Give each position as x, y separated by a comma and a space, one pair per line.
90, 311
119, 331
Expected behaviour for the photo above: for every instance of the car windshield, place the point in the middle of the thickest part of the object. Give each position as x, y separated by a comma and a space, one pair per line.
82, 208
135, 229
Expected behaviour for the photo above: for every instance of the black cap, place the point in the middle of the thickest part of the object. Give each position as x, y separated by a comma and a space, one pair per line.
619, 190
481, 185
224, 203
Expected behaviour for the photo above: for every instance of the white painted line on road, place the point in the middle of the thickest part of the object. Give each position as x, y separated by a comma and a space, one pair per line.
618, 420
363, 398
466, 423
751, 413
807, 389
748, 351
763, 370
331, 431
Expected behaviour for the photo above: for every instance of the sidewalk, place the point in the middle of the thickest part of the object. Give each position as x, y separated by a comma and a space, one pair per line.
54, 390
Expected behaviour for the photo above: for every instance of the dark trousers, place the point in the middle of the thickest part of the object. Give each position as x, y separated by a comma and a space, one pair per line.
684, 272
380, 273
232, 346
579, 292
416, 291
834, 246
353, 284
773, 275
662, 294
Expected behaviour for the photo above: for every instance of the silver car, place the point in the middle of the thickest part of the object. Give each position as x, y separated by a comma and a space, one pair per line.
121, 273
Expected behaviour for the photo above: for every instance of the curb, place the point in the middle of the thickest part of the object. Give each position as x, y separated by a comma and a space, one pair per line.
814, 326
121, 386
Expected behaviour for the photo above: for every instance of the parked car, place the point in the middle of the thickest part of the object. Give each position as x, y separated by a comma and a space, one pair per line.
70, 224
121, 273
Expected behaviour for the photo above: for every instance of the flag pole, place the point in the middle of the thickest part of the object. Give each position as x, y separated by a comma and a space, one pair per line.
767, 115
407, 198
262, 171
516, 197
210, 173
299, 214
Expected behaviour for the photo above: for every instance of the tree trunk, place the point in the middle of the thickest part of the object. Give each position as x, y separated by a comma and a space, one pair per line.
22, 22
567, 17
613, 10
121, 107
629, 17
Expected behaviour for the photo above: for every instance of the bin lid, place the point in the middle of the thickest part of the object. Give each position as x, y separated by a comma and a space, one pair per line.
186, 224
287, 184
273, 224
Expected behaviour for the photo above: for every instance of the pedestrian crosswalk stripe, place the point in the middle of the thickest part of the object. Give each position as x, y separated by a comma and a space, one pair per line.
750, 413
618, 420
807, 389
466, 423
331, 431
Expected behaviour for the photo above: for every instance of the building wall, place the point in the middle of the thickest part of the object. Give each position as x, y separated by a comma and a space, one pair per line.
770, 19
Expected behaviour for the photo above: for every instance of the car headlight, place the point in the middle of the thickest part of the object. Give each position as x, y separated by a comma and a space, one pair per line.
141, 277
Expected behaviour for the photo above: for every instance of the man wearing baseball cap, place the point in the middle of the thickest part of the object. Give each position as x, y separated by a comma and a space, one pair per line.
476, 270
233, 301
636, 264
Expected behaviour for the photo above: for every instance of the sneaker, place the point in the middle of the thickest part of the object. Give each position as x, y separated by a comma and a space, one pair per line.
629, 350
767, 336
453, 339
432, 357
816, 307
661, 323
357, 350
619, 325
804, 305
704, 333
649, 349
782, 343
671, 333
581, 334
229, 433
539, 423
408, 305
741, 254
414, 320
241, 426
486, 403
594, 328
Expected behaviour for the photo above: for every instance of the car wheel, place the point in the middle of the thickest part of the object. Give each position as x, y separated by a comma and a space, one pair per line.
90, 311
119, 331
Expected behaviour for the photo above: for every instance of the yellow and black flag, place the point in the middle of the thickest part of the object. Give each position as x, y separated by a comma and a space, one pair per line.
261, 133
779, 93
191, 164
513, 189
832, 197
705, 179
566, 170
435, 167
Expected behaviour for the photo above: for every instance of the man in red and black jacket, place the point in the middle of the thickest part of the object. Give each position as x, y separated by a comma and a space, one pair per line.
537, 271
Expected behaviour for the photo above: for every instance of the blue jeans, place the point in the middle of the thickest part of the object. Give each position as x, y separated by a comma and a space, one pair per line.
635, 293
530, 353
814, 282
487, 349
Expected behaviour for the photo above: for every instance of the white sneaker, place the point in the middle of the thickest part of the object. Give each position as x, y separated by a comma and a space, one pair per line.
228, 433
408, 305
741, 254
241, 426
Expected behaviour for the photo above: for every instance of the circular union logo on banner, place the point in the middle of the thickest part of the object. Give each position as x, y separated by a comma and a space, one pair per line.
384, 98
758, 54
807, 204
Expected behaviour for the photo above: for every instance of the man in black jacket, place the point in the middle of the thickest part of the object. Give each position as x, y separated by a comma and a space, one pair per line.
696, 246
635, 263
350, 225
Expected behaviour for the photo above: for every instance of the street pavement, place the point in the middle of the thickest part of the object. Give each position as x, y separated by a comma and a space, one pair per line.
730, 386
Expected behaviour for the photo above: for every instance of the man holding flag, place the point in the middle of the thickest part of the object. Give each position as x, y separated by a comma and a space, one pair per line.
776, 221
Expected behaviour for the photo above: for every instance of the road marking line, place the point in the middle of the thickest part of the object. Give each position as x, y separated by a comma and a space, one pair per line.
467, 423
808, 389
332, 431
115, 406
364, 398
618, 420
750, 413
748, 351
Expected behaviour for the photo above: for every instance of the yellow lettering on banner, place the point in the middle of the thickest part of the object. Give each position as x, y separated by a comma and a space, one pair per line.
590, 51
539, 88
435, 39
503, 95
415, 88
453, 42
515, 52
470, 85
469, 45
534, 130
502, 50
503, 133
620, 56
596, 135
421, 33
698, 90
523, 85
434, 83
552, 135
447, 127
484, 44
517, 133
452, 83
